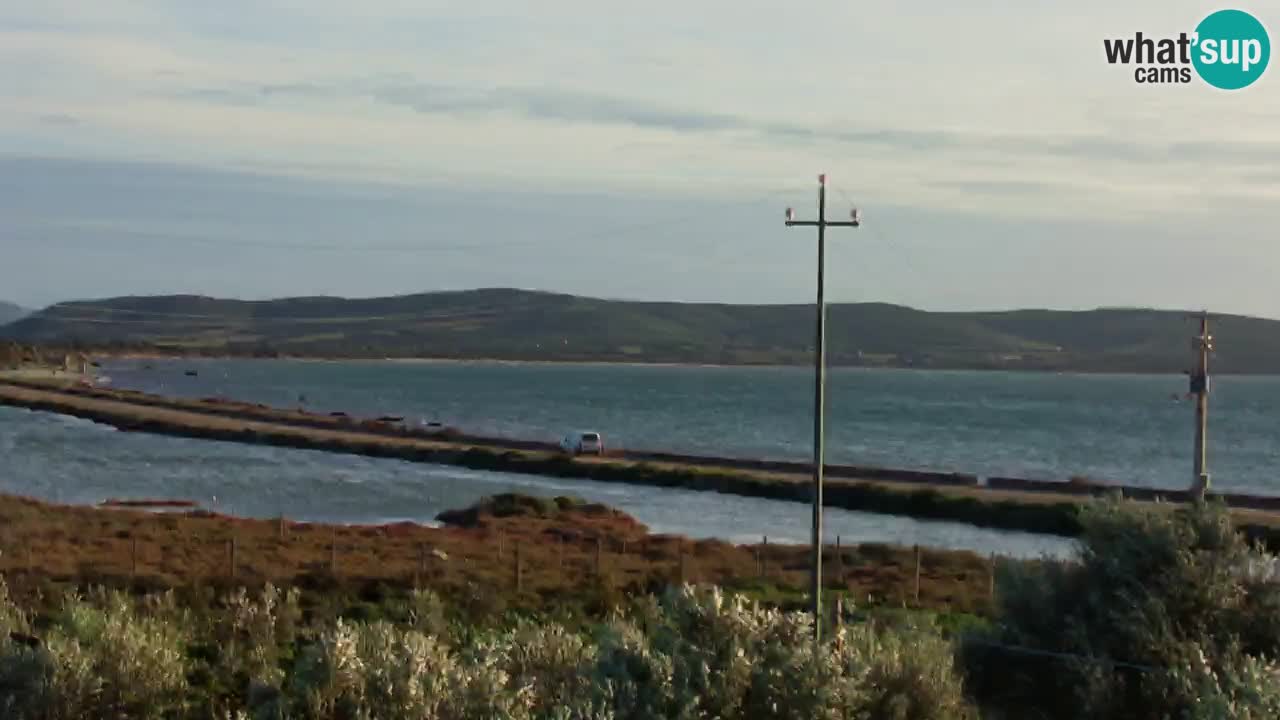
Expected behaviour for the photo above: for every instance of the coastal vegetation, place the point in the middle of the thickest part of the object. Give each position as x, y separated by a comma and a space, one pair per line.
1161, 614
538, 326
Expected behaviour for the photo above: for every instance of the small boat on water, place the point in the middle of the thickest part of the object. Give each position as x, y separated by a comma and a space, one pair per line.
191, 373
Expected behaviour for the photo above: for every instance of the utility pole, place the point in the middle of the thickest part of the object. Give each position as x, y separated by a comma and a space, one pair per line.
1202, 344
819, 393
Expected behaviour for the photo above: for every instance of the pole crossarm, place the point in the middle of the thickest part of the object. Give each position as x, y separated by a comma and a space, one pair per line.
819, 395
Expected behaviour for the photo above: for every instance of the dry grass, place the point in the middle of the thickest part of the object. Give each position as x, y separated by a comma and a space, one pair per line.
44, 544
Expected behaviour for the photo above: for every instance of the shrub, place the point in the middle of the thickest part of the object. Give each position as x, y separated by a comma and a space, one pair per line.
704, 654
95, 662
256, 631
1160, 606
555, 665
1241, 688
908, 673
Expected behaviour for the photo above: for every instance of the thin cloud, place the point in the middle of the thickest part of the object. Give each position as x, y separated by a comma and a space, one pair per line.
1002, 188
549, 104
59, 119
558, 105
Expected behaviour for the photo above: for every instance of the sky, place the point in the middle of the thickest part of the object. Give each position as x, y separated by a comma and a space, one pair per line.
270, 148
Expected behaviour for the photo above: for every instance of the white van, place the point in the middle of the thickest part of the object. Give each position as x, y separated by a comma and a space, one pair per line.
583, 443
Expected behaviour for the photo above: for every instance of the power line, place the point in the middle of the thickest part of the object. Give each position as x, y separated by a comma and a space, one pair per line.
1105, 662
76, 306
83, 311
59, 313
878, 233
195, 239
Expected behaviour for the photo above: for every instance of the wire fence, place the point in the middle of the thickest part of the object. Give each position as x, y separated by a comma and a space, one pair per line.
185, 546
508, 563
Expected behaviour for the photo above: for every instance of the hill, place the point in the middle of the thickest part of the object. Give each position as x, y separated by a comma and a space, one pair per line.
10, 312
525, 325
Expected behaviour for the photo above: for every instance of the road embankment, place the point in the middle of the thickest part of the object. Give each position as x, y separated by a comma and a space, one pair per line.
932, 496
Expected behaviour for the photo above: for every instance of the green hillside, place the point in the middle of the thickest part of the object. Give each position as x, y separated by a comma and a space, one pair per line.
524, 325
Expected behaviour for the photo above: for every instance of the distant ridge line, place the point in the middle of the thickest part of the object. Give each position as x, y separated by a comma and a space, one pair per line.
540, 325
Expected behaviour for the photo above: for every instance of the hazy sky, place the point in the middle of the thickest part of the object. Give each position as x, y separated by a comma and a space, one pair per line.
260, 148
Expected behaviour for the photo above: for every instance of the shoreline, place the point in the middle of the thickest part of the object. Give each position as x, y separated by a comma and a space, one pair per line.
1017, 505
427, 360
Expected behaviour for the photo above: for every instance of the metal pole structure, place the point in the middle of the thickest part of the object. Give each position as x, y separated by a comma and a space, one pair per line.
1203, 345
819, 393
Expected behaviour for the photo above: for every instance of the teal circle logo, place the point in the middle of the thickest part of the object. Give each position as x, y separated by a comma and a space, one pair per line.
1231, 49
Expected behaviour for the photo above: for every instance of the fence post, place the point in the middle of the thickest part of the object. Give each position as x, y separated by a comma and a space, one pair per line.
991, 575
680, 550
501, 542
917, 593
764, 558
283, 527
519, 578
133, 570
599, 546
839, 562
422, 565
231, 556
333, 553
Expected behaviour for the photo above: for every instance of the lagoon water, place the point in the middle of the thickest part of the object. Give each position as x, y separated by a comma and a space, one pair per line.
1121, 428
71, 460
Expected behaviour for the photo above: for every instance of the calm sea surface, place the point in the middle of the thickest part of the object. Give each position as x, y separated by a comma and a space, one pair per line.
71, 460
1121, 428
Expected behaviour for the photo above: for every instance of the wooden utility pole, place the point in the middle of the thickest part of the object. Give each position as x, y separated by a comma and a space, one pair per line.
1202, 344
819, 393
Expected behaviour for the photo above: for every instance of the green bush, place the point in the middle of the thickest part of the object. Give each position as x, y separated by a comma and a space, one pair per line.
691, 654
1161, 607
98, 659
1165, 613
